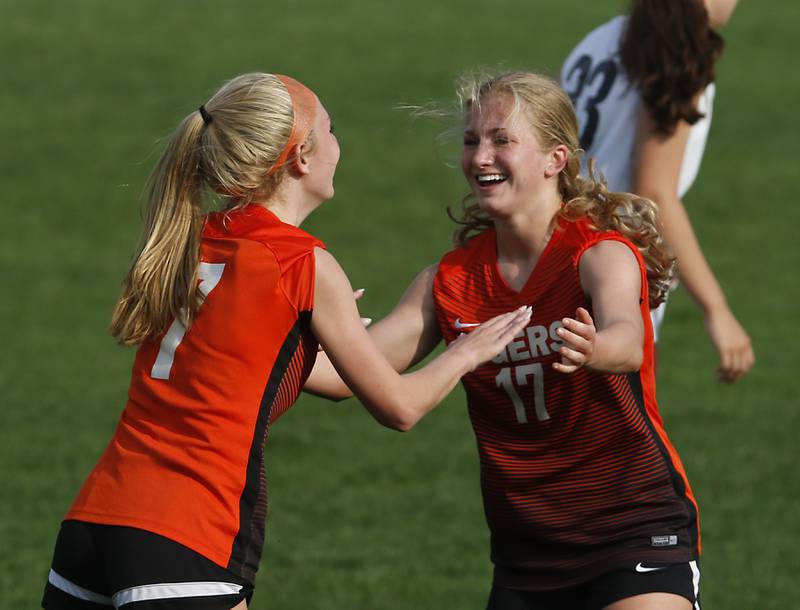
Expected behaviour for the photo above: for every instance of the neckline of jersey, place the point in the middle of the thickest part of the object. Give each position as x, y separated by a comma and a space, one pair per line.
529, 284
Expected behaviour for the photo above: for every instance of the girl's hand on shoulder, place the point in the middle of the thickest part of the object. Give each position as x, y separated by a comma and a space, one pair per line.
490, 338
578, 334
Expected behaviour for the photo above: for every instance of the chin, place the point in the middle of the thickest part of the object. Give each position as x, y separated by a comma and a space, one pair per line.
492, 207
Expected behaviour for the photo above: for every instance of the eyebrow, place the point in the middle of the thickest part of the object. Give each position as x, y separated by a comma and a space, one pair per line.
493, 131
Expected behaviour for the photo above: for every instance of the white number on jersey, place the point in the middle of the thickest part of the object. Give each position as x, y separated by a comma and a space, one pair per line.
209, 275
521, 374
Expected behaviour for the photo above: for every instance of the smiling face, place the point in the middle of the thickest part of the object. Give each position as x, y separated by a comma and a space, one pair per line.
502, 158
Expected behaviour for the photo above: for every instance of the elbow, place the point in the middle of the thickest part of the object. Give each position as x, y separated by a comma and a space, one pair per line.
400, 422
394, 416
659, 195
634, 361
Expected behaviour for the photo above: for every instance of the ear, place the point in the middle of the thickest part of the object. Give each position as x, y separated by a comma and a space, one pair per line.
299, 159
558, 160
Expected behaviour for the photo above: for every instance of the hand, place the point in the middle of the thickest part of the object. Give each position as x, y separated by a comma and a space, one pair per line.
484, 342
732, 344
579, 336
357, 294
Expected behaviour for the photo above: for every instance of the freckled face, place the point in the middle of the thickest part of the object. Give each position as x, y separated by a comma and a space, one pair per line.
502, 159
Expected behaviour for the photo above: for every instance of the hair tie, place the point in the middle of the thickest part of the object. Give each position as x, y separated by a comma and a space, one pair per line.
207, 118
304, 110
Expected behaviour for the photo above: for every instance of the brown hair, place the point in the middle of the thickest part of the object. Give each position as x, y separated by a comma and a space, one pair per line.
230, 152
552, 117
669, 51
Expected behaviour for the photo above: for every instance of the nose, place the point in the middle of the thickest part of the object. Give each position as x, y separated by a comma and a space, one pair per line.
484, 154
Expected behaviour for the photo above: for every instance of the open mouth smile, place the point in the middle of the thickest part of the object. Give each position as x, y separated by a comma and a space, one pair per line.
489, 180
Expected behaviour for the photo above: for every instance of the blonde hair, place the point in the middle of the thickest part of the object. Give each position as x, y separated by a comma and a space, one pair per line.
551, 115
230, 153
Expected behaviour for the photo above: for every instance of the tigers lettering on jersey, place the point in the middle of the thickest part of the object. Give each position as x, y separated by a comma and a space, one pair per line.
534, 342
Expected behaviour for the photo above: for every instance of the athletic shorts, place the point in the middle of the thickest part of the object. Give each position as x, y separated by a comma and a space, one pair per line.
105, 566
680, 579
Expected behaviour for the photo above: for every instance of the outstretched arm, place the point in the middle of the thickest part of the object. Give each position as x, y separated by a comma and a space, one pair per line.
397, 401
612, 342
407, 335
659, 160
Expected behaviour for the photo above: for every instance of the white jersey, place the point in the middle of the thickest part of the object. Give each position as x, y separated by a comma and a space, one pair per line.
607, 105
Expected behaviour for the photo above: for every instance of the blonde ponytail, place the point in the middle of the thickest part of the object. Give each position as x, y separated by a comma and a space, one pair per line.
162, 282
233, 149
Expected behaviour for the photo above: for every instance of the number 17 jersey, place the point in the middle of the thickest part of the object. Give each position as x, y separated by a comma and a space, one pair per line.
577, 474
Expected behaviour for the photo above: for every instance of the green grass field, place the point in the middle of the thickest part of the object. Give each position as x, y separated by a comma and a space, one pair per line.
362, 517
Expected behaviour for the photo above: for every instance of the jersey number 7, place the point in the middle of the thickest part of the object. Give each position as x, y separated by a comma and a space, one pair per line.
209, 275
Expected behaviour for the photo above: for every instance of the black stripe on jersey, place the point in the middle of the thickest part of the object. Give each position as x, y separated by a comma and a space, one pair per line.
677, 480
247, 546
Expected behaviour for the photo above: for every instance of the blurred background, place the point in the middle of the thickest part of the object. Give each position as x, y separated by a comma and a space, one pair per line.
362, 517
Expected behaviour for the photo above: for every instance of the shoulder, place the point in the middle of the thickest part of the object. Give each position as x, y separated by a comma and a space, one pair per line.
256, 223
475, 249
581, 235
605, 35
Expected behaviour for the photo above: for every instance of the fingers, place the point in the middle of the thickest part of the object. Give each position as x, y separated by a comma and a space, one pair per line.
581, 342
565, 368
357, 294
578, 335
734, 364
582, 315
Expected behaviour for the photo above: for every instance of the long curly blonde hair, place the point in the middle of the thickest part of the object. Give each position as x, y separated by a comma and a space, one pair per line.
552, 118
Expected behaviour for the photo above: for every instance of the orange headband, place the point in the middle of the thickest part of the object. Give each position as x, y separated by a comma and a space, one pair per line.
304, 110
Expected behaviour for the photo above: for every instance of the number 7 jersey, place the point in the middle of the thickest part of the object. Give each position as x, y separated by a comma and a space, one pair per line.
577, 474
186, 461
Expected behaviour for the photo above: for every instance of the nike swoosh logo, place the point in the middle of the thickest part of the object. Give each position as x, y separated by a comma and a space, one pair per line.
458, 324
641, 568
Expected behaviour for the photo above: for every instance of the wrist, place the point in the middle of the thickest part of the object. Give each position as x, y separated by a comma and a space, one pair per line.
715, 308
463, 360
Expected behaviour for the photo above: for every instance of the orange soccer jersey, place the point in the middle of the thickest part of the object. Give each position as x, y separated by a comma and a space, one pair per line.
578, 476
186, 460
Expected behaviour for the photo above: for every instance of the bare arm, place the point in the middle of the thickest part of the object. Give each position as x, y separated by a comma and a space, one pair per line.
612, 341
397, 401
407, 335
659, 160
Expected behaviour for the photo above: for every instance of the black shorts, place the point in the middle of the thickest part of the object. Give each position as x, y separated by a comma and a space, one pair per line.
680, 579
105, 566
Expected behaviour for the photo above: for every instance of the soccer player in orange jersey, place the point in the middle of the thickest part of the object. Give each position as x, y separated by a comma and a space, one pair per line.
227, 310
587, 501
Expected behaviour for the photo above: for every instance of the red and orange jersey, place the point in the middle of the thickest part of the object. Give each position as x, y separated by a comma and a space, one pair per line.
578, 476
186, 460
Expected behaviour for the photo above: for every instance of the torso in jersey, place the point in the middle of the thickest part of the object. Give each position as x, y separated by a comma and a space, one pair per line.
577, 474
607, 106
186, 460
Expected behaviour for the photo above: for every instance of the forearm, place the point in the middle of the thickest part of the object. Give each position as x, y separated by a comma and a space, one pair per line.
693, 268
389, 335
325, 381
413, 395
617, 349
